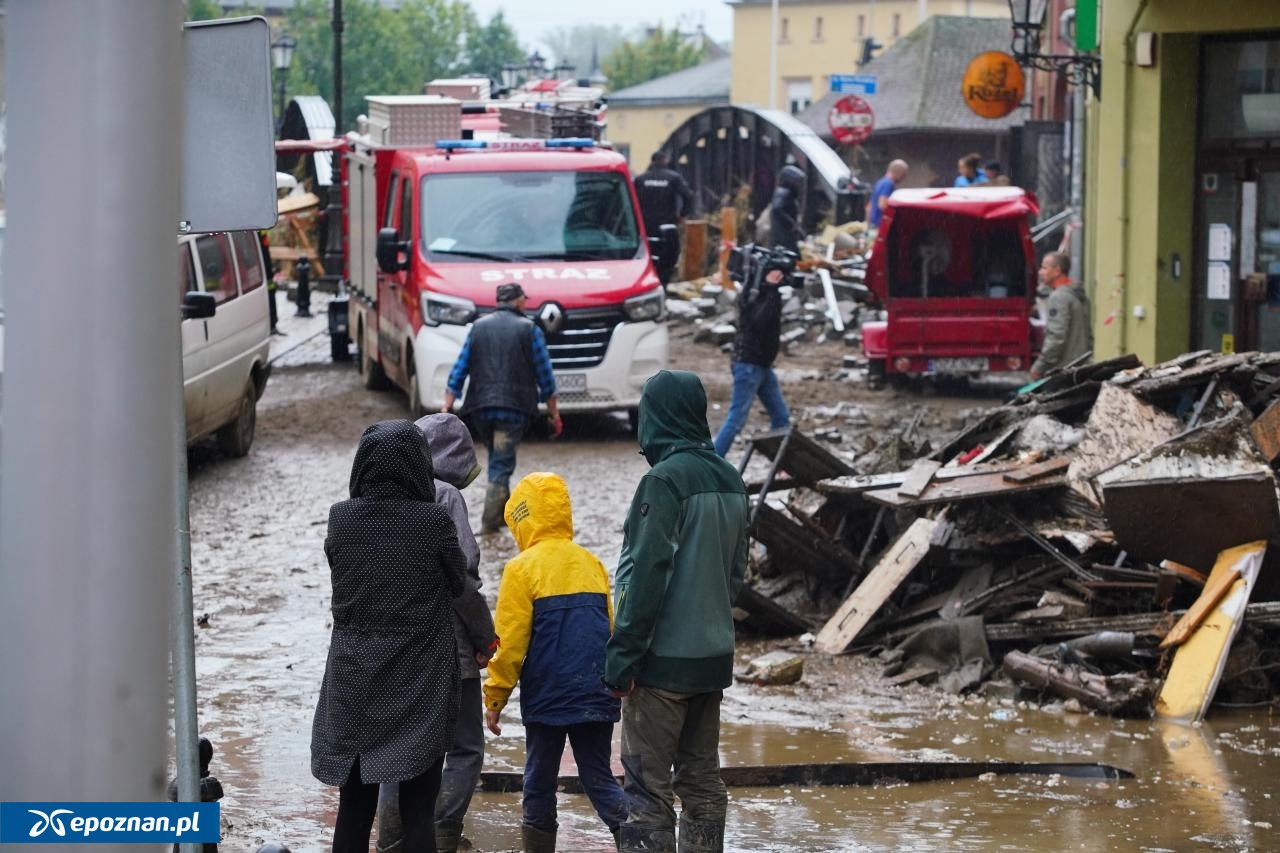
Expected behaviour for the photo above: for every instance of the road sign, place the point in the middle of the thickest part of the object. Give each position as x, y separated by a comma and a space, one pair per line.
851, 120
853, 84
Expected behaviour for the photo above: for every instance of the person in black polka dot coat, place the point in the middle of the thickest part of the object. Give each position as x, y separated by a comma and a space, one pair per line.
389, 700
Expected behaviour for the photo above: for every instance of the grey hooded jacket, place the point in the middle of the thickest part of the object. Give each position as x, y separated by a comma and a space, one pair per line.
453, 455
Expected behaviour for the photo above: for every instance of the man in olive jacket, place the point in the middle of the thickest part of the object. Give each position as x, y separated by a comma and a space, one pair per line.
684, 558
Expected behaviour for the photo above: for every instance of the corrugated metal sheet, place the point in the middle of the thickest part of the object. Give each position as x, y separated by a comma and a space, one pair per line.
320, 125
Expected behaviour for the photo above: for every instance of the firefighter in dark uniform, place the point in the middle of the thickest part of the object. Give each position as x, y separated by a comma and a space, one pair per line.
665, 199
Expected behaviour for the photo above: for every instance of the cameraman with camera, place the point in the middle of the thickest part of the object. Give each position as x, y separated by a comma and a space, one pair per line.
756, 344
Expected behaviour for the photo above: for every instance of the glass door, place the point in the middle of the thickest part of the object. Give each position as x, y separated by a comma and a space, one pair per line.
1265, 287
1216, 270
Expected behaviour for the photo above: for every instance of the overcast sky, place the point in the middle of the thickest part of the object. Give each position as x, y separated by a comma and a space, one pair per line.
532, 18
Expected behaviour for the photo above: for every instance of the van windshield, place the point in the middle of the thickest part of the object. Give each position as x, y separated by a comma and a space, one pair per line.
516, 216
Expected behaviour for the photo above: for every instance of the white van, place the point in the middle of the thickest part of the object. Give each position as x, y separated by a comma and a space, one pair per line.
226, 332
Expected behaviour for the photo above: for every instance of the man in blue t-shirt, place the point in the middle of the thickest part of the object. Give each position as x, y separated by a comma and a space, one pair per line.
883, 189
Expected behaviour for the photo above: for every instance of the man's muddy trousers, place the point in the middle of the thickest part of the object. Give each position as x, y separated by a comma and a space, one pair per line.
670, 746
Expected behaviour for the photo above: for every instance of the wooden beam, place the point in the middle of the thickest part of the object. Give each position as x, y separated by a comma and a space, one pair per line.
1220, 583
1266, 432
919, 477
881, 582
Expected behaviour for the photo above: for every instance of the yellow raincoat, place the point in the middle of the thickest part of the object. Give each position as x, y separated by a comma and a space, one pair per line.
554, 615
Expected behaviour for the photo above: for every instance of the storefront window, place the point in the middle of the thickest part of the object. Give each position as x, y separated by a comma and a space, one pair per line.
1242, 89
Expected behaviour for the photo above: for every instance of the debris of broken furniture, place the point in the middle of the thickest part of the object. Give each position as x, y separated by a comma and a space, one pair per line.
1107, 538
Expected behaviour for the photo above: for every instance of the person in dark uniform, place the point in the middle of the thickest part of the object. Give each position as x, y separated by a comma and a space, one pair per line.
665, 199
784, 209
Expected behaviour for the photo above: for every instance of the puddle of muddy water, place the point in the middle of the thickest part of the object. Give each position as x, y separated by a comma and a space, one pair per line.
260, 575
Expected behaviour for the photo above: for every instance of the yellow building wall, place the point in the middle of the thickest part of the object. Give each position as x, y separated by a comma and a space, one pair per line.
1141, 200
813, 52
646, 128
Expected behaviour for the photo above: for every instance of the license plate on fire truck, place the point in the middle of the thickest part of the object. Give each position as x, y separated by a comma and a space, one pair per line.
957, 365
571, 383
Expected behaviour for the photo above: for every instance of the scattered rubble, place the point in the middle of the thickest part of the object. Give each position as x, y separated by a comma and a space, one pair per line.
1102, 537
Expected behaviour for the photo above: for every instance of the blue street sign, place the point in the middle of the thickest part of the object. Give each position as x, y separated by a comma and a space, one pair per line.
853, 84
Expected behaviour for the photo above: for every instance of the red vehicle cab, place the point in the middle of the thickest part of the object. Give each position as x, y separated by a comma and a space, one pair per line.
954, 271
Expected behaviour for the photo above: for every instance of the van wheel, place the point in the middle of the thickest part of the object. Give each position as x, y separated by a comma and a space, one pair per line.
416, 409
370, 371
236, 437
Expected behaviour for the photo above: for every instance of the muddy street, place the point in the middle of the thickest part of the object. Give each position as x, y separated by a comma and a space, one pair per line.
261, 600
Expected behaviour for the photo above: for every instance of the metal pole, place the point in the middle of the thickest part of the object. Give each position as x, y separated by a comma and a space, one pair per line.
773, 57
337, 69
280, 99
86, 463
1077, 182
186, 729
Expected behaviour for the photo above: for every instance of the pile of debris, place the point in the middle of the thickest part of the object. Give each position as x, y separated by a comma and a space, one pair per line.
1105, 536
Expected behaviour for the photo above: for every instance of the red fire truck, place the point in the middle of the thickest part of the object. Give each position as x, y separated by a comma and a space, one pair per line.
954, 271
433, 227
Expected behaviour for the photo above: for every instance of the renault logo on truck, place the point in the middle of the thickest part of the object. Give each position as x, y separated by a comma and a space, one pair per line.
551, 316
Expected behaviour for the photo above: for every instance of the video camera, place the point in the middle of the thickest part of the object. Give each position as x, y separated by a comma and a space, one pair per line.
749, 264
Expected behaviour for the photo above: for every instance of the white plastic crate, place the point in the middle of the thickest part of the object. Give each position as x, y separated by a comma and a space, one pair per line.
413, 119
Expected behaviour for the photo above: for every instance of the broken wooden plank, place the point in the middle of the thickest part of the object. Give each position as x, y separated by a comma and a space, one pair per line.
1197, 665
759, 614
1186, 573
857, 610
1220, 583
964, 489
795, 545
859, 484
1266, 432
1038, 470
916, 673
919, 477
1040, 614
1265, 614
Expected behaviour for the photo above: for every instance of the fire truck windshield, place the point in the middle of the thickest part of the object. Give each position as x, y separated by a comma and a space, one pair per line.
520, 216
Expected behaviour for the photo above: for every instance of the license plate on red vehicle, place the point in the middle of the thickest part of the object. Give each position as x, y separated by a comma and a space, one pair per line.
569, 383
957, 365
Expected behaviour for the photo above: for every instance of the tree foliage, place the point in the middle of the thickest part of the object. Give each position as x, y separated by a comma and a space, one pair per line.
576, 44
659, 53
491, 46
392, 51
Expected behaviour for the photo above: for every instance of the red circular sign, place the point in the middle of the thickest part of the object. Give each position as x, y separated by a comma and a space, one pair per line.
851, 120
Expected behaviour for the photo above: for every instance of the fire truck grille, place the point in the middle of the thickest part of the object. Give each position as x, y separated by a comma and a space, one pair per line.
584, 338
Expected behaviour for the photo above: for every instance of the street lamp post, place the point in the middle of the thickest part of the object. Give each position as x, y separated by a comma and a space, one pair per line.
536, 65
281, 59
1028, 25
565, 69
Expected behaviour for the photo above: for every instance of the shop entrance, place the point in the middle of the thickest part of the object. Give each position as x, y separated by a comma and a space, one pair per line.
1237, 262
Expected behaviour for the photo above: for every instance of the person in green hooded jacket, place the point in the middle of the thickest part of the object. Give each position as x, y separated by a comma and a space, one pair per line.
684, 559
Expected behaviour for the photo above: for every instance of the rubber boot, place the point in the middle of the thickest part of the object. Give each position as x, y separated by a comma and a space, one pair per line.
638, 838
390, 828
617, 841
701, 836
537, 841
495, 504
448, 837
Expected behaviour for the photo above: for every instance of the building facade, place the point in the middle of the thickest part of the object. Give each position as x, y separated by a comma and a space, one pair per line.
641, 117
1183, 201
818, 38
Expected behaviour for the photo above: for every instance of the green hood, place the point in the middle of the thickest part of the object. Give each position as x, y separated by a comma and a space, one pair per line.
673, 415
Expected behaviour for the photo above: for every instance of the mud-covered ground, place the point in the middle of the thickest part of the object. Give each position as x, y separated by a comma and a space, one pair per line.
261, 598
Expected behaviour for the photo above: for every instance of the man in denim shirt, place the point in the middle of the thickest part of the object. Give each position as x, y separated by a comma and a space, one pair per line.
505, 355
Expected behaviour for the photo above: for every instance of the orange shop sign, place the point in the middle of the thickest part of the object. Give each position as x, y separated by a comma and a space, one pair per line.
993, 84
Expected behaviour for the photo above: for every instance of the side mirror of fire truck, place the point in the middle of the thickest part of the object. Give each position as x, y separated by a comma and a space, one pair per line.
393, 253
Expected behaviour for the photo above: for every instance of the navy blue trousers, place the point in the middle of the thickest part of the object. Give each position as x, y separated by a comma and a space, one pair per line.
591, 744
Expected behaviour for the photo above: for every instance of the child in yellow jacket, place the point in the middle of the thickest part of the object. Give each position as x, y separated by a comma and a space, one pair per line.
554, 617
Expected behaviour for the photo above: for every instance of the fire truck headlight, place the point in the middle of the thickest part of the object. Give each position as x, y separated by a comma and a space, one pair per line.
450, 310
646, 306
